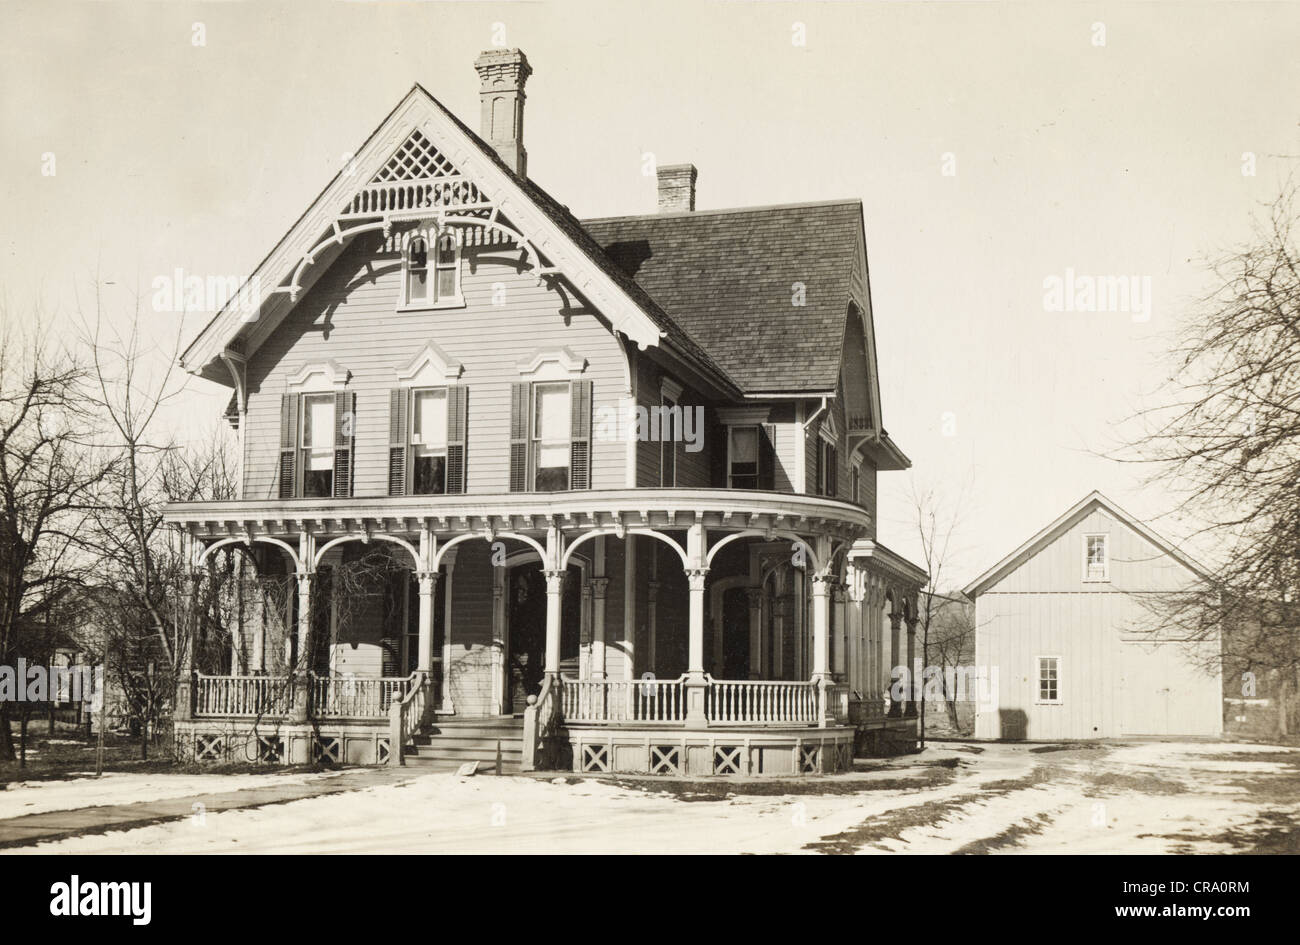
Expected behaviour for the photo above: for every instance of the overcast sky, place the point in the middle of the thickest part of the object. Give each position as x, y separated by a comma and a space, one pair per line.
994, 146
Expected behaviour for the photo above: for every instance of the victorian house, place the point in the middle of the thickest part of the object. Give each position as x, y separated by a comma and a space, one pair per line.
619, 475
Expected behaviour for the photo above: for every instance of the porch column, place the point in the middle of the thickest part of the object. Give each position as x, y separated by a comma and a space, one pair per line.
841, 640
428, 588
895, 625
695, 681
913, 677
598, 588
779, 605
820, 626
652, 625
755, 597
302, 665
554, 600
185, 682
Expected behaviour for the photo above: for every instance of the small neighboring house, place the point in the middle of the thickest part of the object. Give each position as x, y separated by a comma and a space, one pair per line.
444, 361
1067, 622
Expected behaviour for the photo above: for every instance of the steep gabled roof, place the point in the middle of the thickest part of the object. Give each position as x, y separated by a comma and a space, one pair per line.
730, 277
1053, 531
553, 230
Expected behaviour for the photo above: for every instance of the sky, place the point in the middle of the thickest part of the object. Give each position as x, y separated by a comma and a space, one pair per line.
995, 147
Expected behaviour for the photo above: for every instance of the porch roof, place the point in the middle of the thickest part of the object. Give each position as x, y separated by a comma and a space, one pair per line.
728, 509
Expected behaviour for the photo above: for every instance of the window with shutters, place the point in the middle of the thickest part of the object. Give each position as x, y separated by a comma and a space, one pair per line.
431, 270
827, 467
316, 446
428, 441
551, 436
427, 434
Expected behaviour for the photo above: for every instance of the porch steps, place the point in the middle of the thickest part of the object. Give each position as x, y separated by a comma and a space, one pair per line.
448, 742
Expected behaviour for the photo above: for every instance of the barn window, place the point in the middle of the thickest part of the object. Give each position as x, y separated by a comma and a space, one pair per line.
1096, 557
1049, 679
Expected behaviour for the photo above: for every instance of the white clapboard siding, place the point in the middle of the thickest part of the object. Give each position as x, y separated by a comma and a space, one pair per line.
350, 317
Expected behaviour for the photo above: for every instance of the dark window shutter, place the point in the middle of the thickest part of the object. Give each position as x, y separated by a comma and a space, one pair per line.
519, 406
288, 445
344, 428
457, 401
832, 470
397, 441
766, 456
818, 449
718, 457
580, 435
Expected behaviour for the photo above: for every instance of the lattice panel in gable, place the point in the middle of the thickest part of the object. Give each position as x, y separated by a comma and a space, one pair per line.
416, 159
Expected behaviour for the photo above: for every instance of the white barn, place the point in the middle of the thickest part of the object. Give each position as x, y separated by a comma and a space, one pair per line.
1065, 630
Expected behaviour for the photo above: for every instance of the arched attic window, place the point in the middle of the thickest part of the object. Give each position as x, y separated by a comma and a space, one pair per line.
431, 270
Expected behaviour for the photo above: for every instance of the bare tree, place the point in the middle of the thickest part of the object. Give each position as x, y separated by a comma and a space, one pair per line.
1226, 437
49, 478
936, 524
158, 605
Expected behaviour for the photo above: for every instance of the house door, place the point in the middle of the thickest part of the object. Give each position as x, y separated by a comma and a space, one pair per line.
735, 633
526, 620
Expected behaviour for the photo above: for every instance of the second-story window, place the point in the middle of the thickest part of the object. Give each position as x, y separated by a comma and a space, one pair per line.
742, 457
828, 465
317, 445
551, 436
429, 442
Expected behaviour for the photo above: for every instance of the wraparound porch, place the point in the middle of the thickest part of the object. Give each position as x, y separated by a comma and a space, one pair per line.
648, 602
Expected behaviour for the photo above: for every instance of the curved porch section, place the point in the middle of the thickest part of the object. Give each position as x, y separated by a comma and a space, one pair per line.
736, 613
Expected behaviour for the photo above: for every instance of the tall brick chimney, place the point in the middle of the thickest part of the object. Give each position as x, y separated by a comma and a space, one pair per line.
676, 187
502, 74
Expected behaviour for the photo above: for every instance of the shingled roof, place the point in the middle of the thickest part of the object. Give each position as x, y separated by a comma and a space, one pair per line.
727, 277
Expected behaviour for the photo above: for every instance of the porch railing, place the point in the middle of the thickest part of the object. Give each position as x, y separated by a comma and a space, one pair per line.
624, 700
243, 695
756, 701
407, 714
356, 697
837, 701
336, 697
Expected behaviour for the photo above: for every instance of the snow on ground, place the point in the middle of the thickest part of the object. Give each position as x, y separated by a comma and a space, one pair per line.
1148, 797
39, 797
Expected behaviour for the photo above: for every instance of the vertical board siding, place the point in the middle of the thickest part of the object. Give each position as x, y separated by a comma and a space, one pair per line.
349, 316
1045, 608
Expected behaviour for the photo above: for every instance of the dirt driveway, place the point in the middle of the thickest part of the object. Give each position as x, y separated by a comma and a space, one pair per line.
1139, 797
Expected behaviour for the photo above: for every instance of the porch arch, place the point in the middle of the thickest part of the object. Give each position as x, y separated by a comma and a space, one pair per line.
469, 536
320, 552
762, 533
620, 533
202, 556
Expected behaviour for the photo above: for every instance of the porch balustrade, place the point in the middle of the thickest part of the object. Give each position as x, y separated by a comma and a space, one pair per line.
623, 700
726, 701
335, 697
749, 702
243, 695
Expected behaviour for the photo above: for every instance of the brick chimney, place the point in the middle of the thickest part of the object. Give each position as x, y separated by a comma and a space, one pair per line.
676, 187
502, 74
